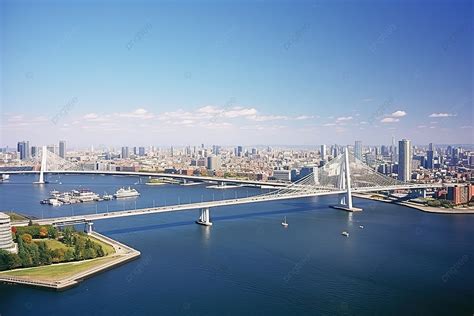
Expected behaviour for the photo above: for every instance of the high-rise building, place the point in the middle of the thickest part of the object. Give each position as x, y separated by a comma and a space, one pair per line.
358, 149
125, 153
141, 151
239, 151
323, 152
34, 151
404, 160
22, 149
429, 157
62, 148
213, 163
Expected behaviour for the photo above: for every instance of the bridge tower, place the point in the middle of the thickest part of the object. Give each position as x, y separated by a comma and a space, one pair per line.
44, 153
204, 219
344, 183
89, 227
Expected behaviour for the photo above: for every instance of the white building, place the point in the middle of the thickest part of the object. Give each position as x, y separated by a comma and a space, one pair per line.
404, 160
6, 240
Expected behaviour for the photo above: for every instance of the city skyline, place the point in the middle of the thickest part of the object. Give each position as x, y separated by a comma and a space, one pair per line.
198, 77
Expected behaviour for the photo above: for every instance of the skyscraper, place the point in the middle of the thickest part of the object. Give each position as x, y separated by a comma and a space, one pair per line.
21, 148
124, 153
429, 157
358, 149
62, 148
323, 152
141, 151
404, 160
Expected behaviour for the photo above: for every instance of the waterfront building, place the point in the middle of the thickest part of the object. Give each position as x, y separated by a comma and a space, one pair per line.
404, 160
358, 149
62, 148
6, 238
282, 175
213, 163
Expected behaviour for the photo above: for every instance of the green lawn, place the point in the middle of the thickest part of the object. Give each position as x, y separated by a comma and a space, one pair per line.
57, 272
54, 244
108, 249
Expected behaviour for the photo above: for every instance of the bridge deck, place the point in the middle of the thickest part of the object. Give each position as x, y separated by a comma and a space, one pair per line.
209, 204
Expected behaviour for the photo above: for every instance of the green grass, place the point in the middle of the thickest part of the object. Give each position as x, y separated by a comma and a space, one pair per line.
54, 244
60, 271
108, 249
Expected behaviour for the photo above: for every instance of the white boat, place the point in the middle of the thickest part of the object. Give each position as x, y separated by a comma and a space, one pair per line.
55, 193
54, 202
361, 226
345, 234
107, 197
126, 193
85, 195
5, 177
284, 223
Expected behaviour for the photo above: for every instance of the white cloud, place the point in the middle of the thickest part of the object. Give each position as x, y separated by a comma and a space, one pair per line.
442, 115
344, 118
90, 116
329, 124
389, 120
264, 118
304, 117
398, 113
240, 112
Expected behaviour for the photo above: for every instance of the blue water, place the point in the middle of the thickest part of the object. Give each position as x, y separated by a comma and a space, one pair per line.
402, 262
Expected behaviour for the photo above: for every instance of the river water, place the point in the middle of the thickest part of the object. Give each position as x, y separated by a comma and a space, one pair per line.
402, 261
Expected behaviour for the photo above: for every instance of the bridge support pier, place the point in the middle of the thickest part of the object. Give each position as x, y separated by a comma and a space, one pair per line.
89, 227
204, 219
43, 166
345, 184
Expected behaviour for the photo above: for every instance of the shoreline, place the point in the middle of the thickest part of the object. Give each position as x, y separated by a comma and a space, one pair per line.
423, 208
122, 255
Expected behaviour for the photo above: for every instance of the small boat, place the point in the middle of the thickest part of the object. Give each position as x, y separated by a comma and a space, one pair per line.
361, 226
284, 223
107, 197
345, 234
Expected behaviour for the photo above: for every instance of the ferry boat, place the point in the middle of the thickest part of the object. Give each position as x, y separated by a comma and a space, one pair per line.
126, 193
85, 195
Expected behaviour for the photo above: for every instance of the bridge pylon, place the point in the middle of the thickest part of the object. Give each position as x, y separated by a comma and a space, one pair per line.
344, 183
89, 227
43, 165
204, 219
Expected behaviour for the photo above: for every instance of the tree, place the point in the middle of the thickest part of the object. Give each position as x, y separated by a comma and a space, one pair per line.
68, 236
30, 223
43, 232
27, 238
44, 253
52, 232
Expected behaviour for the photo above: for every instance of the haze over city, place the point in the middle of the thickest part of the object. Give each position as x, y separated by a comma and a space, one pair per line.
302, 73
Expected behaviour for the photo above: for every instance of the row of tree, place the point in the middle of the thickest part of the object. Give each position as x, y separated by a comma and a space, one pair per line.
33, 253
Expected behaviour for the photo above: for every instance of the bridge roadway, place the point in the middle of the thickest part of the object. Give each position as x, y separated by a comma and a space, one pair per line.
157, 175
208, 204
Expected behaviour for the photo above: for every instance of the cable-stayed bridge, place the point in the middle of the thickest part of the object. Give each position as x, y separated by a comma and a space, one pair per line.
341, 176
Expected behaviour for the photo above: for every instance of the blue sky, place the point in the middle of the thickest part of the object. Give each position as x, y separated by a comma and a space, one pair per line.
228, 72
